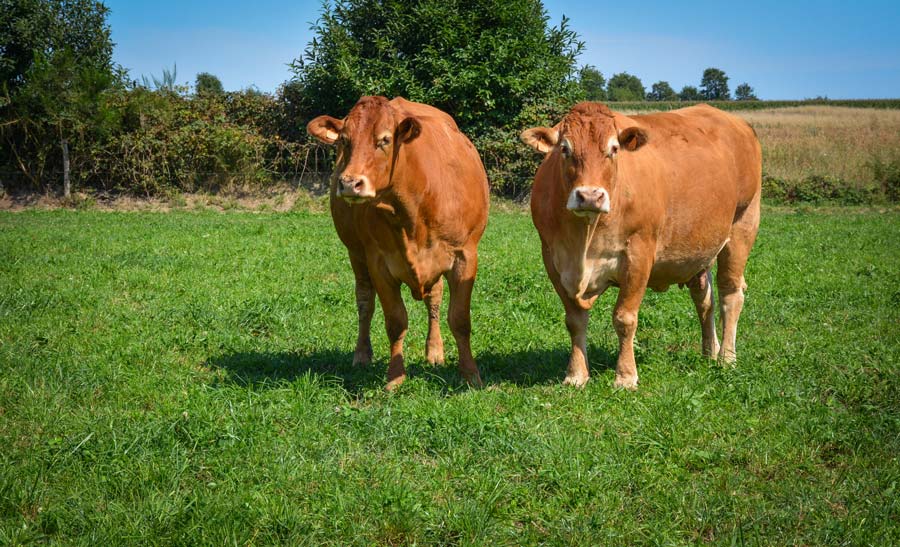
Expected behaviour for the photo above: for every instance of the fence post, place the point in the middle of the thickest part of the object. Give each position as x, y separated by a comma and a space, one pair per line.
67, 184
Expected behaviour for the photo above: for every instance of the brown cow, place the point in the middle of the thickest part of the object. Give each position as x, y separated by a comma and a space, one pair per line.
638, 201
409, 199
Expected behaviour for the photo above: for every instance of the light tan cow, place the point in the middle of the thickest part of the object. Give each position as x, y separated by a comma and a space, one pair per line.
409, 199
646, 201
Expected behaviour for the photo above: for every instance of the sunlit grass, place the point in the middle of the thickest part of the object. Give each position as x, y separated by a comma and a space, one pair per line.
185, 379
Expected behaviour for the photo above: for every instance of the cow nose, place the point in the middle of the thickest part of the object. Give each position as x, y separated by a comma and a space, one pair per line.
355, 186
590, 196
351, 185
589, 200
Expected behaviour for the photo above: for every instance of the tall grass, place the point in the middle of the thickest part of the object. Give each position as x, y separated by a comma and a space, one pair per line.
843, 143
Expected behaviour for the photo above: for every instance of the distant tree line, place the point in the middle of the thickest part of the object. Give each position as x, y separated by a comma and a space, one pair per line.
624, 87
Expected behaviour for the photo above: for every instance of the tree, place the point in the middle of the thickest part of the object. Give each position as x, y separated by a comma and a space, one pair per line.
690, 93
31, 28
744, 92
662, 91
592, 83
714, 85
208, 84
625, 87
482, 61
55, 62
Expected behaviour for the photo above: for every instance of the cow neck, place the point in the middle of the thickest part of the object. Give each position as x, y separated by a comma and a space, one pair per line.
400, 208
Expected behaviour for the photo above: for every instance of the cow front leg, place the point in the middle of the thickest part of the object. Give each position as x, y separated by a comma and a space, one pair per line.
365, 307
434, 345
576, 322
632, 287
396, 323
577, 373
705, 303
461, 279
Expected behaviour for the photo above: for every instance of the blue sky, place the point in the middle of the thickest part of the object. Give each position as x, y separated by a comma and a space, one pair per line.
785, 50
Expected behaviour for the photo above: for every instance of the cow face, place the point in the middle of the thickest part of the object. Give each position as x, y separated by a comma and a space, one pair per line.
367, 141
586, 145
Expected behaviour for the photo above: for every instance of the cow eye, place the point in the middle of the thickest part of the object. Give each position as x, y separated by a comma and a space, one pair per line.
565, 149
383, 141
613, 150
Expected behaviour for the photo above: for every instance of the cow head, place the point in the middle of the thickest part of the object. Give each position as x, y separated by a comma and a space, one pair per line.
587, 144
368, 141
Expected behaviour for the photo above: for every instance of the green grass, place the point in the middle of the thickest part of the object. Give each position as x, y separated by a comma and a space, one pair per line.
185, 379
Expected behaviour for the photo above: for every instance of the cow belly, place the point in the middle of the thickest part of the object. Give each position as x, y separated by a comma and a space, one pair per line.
680, 266
421, 273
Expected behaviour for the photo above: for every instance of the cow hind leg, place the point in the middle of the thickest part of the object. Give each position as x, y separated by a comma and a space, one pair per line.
730, 276
365, 307
434, 345
461, 280
704, 301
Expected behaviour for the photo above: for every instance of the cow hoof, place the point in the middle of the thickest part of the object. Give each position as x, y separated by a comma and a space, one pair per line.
395, 383
577, 381
711, 353
435, 357
473, 379
362, 357
626, 382
728, 357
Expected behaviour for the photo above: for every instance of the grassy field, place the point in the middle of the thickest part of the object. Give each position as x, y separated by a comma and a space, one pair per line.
185, 379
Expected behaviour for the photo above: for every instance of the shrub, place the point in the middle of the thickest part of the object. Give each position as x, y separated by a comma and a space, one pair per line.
886, 174
817, 189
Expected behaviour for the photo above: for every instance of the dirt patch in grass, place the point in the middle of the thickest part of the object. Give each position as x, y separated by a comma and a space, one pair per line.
276, 199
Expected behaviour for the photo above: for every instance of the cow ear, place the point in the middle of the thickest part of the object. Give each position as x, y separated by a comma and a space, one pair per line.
632, 138
542, 139
325, 128
408, 130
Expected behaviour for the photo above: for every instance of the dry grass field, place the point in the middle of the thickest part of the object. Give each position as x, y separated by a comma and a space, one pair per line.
838, 142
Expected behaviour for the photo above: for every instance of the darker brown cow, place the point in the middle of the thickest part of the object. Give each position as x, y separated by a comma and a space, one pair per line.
409, 199
643, 201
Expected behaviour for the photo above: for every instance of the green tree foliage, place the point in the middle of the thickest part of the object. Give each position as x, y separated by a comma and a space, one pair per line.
33, 28
744, 92
208, 84
690, 93
56, 62
592, 83
625, 87
714, 85
662, 91
482, 61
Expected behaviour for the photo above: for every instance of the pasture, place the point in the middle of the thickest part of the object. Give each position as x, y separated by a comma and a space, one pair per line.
185, 378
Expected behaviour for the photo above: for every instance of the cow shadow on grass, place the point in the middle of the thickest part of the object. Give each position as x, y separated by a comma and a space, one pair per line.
521, 368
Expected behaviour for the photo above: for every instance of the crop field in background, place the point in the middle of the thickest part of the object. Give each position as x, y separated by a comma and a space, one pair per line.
843, 143
185, 379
